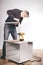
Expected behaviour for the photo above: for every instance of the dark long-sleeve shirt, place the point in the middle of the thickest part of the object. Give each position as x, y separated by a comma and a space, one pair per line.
15, 13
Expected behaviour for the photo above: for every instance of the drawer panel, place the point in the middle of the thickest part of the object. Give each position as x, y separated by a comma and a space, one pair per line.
13, 52
12, 46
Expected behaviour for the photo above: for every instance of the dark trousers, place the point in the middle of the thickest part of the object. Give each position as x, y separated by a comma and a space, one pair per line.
8, 29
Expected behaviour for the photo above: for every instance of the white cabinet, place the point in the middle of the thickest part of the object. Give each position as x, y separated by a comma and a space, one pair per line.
20, 51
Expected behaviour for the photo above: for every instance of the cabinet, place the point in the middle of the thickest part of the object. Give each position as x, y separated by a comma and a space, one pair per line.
20, 51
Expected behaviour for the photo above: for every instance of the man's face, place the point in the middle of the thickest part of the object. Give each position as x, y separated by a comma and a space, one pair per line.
25, 14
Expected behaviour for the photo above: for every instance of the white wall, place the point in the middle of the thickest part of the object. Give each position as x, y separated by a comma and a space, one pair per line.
35, 28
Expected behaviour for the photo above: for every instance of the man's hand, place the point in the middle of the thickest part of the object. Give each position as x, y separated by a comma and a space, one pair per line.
16, 23
16, 19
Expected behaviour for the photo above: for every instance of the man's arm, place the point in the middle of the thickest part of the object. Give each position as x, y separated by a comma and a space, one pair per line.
10, 13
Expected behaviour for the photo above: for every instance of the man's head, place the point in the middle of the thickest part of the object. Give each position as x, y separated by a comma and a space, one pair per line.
24, 14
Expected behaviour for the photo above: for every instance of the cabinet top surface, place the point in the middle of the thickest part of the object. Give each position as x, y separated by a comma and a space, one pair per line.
17, 41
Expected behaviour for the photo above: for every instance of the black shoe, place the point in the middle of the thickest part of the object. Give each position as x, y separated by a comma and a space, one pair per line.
2, 57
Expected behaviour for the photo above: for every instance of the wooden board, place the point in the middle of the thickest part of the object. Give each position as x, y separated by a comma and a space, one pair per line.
17, 41
11, 41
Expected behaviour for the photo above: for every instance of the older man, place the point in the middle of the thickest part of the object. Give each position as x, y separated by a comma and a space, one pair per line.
15, 16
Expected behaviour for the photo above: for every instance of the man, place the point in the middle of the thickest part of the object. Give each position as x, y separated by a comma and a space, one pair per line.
15, 16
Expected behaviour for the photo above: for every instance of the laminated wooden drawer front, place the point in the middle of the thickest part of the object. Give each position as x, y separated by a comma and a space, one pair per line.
11, 46
14, 52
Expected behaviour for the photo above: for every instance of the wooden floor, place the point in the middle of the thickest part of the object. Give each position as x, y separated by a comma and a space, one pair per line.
6, 62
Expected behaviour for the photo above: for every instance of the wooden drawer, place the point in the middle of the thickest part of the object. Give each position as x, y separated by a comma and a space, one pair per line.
13, 52
12, 47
